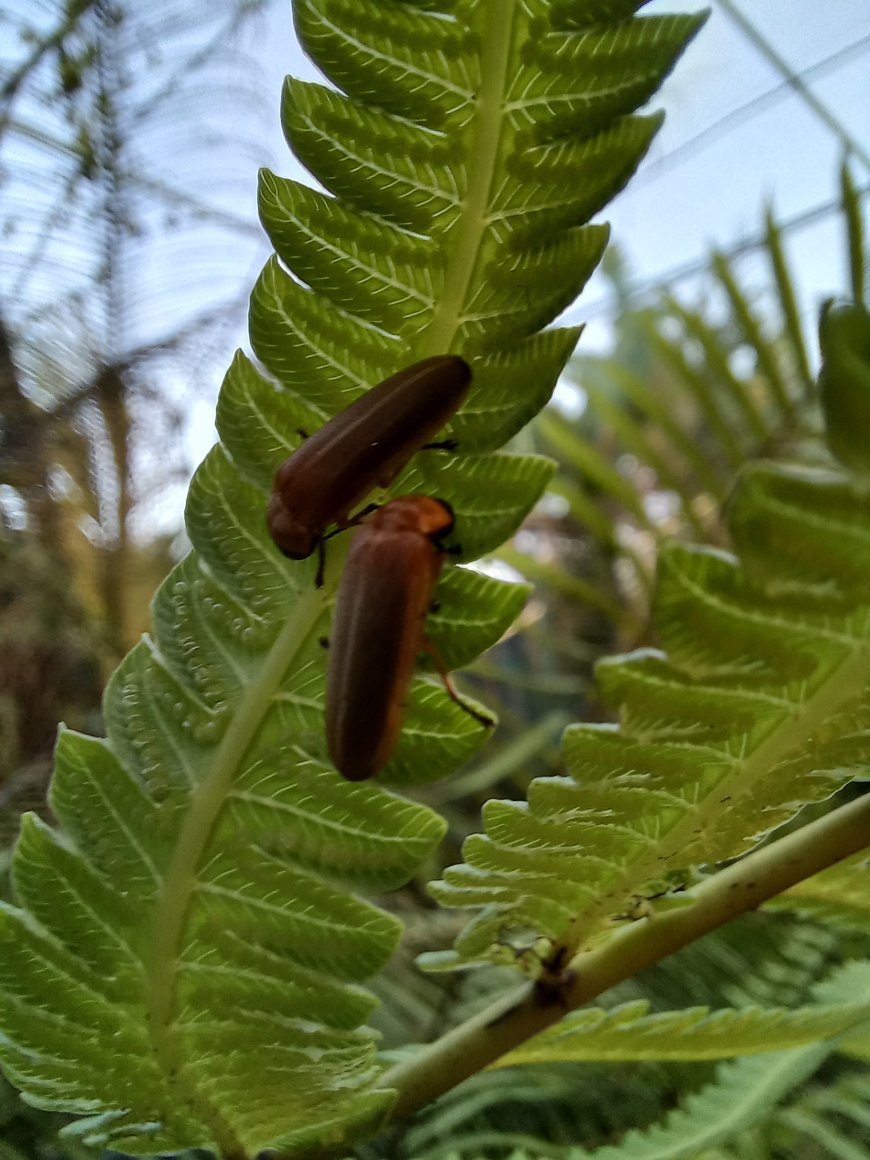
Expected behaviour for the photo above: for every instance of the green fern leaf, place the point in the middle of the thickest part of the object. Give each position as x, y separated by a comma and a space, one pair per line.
713, 1120
536, 1105
840, 895
759, 705
845, 382
630, 1033
184, 966
743, 1094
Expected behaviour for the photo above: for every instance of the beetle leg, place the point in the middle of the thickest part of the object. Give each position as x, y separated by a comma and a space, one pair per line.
352, 521
321, 562
443, 445
438, 661
344, 525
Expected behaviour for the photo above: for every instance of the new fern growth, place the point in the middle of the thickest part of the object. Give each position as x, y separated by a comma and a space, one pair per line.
185, 964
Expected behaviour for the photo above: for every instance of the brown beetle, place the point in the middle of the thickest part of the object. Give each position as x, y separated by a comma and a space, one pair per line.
362, 447
383, 597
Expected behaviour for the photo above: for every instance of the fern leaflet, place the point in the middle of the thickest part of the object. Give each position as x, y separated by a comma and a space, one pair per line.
629, 1032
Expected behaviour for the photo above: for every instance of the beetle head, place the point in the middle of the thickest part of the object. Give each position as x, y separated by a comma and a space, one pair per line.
295, 538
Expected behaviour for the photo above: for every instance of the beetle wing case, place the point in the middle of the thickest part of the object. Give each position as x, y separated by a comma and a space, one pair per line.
383, 599
364, 446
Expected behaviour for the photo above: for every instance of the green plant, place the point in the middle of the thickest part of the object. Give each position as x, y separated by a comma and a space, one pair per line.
689, 395
186, 965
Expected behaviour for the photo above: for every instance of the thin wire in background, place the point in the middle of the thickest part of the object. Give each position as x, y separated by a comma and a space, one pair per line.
695, 266
721, 127
795, 81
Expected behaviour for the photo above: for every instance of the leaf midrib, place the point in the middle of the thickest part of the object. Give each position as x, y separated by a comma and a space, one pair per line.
496, 36
205, 804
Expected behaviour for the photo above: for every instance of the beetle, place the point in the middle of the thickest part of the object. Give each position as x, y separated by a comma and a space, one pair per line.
364, 446
384, 594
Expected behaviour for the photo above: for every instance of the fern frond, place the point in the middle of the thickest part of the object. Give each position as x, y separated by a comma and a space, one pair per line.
824, 1135
759, 705
184, 966
629, 1032
856, 251
792, 330
840, 895
744, 1092
847, 1099
560, 1104
712, 1122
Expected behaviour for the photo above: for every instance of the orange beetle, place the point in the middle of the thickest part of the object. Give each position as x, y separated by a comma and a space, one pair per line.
364, 446
383, 597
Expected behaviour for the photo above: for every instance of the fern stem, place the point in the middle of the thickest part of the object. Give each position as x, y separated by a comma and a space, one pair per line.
854, 233
724, 896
